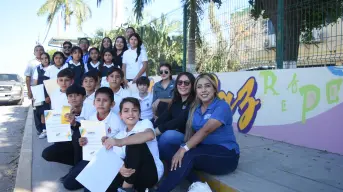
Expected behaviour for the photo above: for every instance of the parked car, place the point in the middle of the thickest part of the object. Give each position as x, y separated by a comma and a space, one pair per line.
11, 89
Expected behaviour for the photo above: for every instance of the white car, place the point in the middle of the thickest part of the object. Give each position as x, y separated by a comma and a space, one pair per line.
11, 89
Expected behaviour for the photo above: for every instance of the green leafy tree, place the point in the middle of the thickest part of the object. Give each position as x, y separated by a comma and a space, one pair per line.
194, 12
68, 8
300, 18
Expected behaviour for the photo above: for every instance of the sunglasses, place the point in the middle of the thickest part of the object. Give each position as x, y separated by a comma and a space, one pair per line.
165, 72
186, 83
66, 47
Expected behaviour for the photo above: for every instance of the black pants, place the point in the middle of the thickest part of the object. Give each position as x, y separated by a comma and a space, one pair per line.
69, 152
38, 122
138, 157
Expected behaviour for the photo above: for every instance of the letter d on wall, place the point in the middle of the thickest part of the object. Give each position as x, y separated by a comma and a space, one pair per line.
311, 98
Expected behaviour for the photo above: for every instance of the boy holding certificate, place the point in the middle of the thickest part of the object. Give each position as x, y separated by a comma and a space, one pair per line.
89, 82
59, 98
64, 152
103, 103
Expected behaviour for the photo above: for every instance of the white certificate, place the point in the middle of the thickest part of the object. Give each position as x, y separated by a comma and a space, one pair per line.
99, 173
50, 86
38, 93
93, 131
56, 132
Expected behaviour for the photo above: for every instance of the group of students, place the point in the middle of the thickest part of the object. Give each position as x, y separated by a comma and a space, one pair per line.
181, 125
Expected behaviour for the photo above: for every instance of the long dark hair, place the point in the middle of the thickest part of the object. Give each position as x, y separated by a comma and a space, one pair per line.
139, 43
176, 94
97, 50
102, 48
125, 44
170, 69
48, 56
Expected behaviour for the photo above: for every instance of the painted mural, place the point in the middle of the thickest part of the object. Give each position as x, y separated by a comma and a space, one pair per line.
299, 106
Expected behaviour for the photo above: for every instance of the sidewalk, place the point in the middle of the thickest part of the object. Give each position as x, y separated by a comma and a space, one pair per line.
265, 165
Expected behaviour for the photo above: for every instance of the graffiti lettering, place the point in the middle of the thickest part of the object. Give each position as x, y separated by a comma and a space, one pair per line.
311, 97
332, 90
293, 84
269, 75
245, 102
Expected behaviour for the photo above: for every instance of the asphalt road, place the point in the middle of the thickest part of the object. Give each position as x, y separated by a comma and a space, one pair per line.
12, 123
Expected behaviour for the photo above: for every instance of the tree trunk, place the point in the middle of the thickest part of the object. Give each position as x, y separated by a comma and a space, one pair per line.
191, 38
292, 24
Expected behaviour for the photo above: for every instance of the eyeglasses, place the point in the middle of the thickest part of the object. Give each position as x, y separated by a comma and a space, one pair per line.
186, 83
66, 47
165, 72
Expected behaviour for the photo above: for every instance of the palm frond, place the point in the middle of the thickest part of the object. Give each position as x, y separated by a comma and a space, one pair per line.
138, 8
82, 12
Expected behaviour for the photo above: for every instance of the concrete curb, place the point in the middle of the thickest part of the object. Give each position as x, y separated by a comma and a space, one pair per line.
23, 182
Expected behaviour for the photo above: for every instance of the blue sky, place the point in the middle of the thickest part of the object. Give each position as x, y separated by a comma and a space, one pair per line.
21, 27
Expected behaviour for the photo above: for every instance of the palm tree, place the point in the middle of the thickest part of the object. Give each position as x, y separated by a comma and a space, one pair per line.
115, 6
67, 8
194, 12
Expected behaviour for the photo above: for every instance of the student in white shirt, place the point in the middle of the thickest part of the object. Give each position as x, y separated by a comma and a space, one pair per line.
93, 60
103, 103
135, 60
57, 65
129, 31
31, 66
106, 66
76, 64
144, 97
89, 82
38, 77
59, 98
115, 79
137, 146
67, 152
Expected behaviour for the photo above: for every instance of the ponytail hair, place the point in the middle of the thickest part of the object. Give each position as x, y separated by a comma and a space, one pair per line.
139, 43
189, 129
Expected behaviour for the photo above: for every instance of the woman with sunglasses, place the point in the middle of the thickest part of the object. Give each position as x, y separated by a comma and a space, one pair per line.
163, 90
170, 125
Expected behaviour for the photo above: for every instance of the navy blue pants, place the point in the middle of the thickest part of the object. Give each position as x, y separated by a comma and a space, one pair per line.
212, 159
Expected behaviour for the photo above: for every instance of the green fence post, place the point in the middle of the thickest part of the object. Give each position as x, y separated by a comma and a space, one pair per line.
184, 56
280, 34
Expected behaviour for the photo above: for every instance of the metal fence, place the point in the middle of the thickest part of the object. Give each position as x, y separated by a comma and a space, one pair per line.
287, 34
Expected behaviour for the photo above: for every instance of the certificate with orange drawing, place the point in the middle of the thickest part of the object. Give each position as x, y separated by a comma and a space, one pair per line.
56, 131
93, 131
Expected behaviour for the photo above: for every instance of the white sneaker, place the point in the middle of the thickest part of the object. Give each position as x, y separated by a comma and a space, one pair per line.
199, 186
42, 135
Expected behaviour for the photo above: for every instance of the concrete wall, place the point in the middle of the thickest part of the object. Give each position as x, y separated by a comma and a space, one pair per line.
298, 106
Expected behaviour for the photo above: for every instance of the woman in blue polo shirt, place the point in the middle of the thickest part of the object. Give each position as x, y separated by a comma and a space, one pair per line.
210, 141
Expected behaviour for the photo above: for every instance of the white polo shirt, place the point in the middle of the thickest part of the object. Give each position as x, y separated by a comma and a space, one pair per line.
112, 122
141, 126
146, 106
88, 108
58, 100
133, 66
30, 68
52, 71
118, 97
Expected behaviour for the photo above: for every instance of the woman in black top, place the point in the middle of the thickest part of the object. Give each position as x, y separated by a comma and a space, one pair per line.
119, 48
170, 125
106, 43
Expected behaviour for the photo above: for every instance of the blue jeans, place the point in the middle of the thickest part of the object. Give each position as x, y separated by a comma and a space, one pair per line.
168, 144
212, 159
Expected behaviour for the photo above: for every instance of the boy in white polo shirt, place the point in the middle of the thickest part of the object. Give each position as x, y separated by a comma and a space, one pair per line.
103, 103
144, 97
115, 78
59, 98
89, 82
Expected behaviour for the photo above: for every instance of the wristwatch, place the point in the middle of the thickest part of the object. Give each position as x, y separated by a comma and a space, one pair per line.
184, 145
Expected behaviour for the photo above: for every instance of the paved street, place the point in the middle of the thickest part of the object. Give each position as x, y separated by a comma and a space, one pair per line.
12, 122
